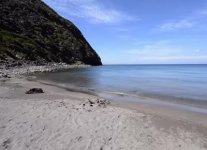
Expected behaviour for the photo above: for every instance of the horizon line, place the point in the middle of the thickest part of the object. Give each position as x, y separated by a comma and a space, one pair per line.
155, 64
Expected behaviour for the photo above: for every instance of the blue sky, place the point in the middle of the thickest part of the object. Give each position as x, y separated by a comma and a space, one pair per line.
141, 31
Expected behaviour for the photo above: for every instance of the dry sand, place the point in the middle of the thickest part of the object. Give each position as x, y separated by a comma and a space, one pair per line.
58, 120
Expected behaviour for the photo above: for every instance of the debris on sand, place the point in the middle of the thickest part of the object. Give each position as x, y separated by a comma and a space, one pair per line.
35, 91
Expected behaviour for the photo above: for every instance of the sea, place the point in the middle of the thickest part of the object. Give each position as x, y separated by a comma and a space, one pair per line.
183, 85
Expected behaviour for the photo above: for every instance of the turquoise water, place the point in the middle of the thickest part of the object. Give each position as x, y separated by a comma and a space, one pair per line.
172, 83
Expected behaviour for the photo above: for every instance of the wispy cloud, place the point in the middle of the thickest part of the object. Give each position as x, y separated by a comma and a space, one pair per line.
165, 52
202, 12
91, 10
158, 48
175, 25
192, 21
175, 58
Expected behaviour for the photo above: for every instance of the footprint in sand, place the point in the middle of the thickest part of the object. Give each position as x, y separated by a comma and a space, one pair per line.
6, 143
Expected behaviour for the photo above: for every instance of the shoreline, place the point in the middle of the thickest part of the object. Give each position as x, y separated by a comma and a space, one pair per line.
147, 101
7, 72
64, 122
165, 110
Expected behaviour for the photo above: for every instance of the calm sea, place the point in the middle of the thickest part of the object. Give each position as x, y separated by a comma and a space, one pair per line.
184, 84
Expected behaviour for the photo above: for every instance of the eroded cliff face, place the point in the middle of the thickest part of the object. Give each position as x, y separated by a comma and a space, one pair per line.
30, 31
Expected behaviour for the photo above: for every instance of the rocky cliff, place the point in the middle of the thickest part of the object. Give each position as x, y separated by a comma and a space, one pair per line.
30, 31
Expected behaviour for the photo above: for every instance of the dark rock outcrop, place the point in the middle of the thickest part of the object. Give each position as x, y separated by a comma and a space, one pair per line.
30, 31
34, 91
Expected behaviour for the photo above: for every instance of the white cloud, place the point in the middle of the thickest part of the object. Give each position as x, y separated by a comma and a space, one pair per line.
159, 48
180, 24
165, 52
174, 58
202, 12
195, 20
91, 10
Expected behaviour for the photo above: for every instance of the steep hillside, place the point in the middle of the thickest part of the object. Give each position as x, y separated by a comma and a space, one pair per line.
30, 31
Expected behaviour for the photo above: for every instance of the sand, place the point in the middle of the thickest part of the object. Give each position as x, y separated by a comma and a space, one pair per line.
64, 120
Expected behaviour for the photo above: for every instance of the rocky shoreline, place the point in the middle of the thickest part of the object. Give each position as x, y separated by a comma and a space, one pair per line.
9, 71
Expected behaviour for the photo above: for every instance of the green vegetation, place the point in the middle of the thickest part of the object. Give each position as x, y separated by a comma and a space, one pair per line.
31, 31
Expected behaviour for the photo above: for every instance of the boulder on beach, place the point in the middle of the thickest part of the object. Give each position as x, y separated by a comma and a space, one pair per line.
35, 91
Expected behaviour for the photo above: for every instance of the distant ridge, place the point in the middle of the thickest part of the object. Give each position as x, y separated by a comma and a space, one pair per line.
30, 31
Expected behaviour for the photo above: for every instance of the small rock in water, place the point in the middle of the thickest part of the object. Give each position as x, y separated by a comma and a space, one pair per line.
35, 91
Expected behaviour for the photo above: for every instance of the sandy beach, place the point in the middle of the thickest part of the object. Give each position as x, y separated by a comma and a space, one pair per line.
60, 119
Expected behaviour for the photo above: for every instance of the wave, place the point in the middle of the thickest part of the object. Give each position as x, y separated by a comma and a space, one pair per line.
136, 96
